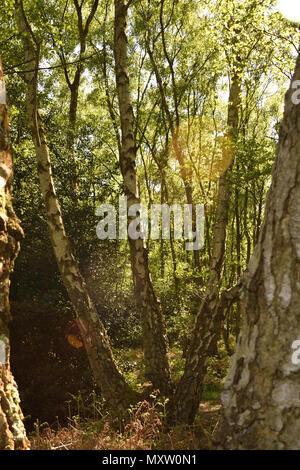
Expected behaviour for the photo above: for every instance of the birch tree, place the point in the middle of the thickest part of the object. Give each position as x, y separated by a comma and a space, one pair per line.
261, 406
107, 374
154, 330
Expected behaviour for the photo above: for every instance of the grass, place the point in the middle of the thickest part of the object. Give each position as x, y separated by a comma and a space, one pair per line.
91, 428
144, 431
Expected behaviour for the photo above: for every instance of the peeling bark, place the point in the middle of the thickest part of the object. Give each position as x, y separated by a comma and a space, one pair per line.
12, 431
154, 330
261, 404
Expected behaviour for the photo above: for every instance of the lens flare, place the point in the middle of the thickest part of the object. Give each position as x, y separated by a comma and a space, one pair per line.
290, 9
202, 147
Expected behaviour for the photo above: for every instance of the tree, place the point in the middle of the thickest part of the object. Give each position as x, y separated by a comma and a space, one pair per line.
12, 431
173, 53
214, 304
209, 317
154, 329
261, 393
73, 85
106, 372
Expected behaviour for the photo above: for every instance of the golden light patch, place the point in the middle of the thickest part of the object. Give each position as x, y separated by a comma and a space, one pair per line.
79, 333
74, 341
202, 147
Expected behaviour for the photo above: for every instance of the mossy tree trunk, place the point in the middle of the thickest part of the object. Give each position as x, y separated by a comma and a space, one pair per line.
12, 431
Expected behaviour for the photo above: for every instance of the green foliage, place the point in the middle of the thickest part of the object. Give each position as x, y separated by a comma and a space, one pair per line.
197, 48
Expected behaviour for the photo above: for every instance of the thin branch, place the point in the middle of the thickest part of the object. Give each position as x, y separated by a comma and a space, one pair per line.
52, 67
91, 16
129, 3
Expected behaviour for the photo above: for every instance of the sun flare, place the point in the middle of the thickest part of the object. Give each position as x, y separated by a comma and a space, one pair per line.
290, 9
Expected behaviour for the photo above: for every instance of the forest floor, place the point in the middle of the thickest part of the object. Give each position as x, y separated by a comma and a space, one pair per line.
144, 431
88, 426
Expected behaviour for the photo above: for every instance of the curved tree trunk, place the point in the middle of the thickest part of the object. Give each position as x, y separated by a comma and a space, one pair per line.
207, 328
154, 330
12, 431
261, 396
107, 375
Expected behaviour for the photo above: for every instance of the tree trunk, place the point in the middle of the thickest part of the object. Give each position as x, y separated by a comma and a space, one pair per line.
71, 134
154, 330
12, 431
261, 404
207, 328
107, 375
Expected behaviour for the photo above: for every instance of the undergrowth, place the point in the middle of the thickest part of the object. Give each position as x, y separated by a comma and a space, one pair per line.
143, 431
90, 426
